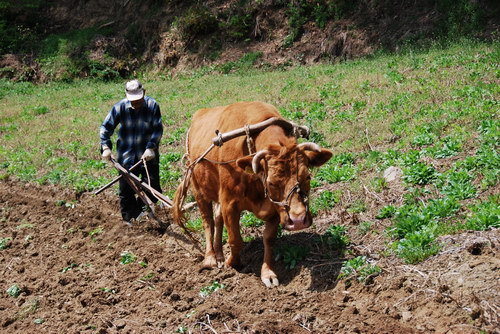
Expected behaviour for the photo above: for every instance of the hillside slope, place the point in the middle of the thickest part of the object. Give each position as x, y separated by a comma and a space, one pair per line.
73, 38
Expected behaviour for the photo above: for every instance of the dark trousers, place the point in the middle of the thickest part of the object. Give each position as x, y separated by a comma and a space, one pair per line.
130, 204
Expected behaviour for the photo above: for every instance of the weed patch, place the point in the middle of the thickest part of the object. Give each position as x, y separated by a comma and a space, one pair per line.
291, 255
359, 269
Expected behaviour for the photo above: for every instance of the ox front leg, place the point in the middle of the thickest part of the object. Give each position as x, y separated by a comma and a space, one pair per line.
267, 275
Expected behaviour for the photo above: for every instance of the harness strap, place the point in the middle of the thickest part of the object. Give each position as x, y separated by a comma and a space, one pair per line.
250, 141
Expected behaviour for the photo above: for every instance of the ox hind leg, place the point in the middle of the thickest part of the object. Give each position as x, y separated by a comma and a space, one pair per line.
231, 219
267, 274
206, 211
219, 225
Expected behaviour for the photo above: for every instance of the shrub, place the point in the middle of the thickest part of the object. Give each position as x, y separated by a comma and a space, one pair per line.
198, 20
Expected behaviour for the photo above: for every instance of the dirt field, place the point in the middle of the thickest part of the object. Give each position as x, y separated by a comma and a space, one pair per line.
65, 258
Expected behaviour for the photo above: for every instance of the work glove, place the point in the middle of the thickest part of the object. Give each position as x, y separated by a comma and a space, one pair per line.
106, 153
149, 154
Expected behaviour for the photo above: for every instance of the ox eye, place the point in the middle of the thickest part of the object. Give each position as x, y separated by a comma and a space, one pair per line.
273, 184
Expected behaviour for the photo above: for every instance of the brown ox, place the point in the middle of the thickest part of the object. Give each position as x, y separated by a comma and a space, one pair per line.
274, 183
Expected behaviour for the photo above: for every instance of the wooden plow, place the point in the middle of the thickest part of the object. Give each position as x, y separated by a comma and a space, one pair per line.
139, 188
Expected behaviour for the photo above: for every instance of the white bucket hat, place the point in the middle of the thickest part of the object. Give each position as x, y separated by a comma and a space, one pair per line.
134, 90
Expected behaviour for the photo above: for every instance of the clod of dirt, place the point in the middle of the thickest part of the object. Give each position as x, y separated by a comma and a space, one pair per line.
477, 246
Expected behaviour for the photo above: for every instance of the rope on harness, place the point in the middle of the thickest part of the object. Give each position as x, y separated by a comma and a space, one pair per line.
250, 141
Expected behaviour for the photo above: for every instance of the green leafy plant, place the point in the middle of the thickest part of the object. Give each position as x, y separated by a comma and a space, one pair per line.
357, 206
325, 200
248, 219
108, 290
415, 195
291, 255
336, 237
95, 232
387, 211
24, 226
195, 224
68, 268
14, 291
208, 290
360, 269
364, 227
333, 173
457, 184
484, 215
127, 257
379, 184
418, 245
5, 242
419, 173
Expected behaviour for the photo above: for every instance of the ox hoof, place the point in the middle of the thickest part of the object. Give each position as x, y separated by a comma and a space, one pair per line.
233, 262
220, 261
270, 282
209, 263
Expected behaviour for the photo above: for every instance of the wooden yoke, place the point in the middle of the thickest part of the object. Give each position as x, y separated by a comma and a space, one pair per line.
292, 128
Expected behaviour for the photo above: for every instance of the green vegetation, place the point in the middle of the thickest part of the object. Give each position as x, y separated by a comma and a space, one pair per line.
14, 291
127, 257
325, 201
336, 237
208, 290
433, 113
291, 255
360, 269
5, 242
70, 267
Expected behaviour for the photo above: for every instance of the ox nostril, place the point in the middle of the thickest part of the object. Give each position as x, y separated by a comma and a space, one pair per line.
297, 219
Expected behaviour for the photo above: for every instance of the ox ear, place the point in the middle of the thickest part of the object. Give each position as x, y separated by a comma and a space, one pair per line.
317, 159
245, 164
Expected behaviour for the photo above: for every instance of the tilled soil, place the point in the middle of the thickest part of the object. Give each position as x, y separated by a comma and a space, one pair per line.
64, 255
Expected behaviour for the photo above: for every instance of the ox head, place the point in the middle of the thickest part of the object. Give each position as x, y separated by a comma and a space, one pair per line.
284, 171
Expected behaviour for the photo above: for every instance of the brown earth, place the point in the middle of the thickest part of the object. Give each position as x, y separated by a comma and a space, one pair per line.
72, 281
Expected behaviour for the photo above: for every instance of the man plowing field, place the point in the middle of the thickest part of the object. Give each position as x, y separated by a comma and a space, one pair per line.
138, 139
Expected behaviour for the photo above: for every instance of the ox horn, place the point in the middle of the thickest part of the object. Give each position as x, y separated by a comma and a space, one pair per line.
310, 147
256, 160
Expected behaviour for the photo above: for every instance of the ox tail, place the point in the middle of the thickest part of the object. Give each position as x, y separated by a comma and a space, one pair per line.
178, 211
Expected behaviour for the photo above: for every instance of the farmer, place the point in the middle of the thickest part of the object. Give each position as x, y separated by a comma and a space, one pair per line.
138, 139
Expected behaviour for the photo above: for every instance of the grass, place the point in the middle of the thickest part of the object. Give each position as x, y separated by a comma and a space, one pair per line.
433, 113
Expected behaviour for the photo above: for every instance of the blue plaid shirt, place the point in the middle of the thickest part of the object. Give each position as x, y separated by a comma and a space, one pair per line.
139, 130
